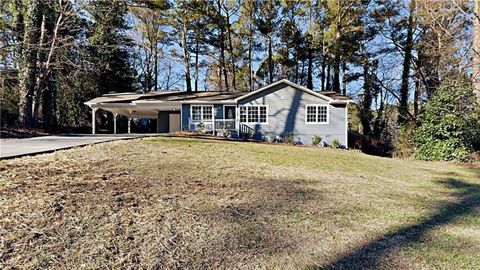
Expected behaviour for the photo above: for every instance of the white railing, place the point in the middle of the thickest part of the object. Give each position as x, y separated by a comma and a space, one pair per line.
225, 124
200, 125
209, 126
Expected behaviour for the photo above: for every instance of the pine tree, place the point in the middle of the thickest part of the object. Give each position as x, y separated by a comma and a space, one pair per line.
111, 69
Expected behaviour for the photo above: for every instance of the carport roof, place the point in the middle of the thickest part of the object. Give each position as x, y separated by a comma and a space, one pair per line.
166, 96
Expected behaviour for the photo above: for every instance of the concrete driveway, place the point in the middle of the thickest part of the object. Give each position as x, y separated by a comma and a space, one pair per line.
31, 146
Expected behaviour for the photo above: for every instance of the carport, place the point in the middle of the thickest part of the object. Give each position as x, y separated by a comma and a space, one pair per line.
167, 114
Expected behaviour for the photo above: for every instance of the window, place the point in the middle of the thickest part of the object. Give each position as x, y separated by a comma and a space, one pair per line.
316, 114
202, 113
207, 113
253, 114
243, 114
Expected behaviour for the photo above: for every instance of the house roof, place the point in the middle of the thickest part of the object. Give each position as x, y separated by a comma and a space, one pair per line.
206, 96
167, 96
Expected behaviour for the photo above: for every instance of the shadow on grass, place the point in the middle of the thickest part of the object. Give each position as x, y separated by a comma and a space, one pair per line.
371, 255
255, 222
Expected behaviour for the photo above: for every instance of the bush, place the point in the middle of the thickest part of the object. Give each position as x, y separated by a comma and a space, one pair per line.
335, 143
316, 140
449, 128
403, 145
288, 138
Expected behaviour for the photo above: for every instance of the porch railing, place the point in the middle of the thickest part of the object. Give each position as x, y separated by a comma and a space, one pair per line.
200, 125
217, 124
226, 124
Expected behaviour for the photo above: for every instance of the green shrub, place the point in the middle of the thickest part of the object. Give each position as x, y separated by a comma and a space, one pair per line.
335, 143
288, 138
200, 126
403, 144
449, 127
316, 140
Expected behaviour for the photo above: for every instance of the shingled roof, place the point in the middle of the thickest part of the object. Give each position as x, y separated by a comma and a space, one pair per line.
202, 96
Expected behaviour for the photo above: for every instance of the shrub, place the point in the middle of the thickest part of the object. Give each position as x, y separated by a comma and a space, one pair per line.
200, 126
449, 128
335, 143
316, 140
288, 138
403, 145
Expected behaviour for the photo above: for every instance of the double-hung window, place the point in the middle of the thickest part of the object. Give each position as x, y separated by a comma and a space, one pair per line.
253, 114
316, 114
202, 113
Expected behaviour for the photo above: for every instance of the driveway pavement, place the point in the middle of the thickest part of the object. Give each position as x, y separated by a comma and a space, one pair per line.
32, 146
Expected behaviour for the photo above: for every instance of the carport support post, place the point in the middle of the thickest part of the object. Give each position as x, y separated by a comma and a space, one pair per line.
115, 123
129, 121
94, 110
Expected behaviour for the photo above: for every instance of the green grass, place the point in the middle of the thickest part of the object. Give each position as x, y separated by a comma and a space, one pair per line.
189, 203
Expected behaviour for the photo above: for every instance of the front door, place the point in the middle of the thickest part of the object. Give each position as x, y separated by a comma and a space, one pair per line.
174, 122
230, 112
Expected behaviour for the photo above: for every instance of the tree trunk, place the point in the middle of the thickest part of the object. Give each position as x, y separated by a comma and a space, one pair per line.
296, 64
222, 47
403, 106
416, 97
155, 68
344, 78
197, 49
336, 65
49, 106
328, 86
232, 56
28, 71
222, 59
250, 57
365, 110
38, 87
310, 68
378, 124
186, 57
476, 50
270, 60
324, 62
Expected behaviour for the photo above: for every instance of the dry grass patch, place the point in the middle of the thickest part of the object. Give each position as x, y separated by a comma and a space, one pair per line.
186, 203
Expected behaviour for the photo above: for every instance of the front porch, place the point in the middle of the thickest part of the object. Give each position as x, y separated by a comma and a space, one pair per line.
171, 118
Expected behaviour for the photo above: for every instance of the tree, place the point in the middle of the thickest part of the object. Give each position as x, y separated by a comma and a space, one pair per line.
449, 127
476, 49
266, 23
344, 19
403, 114
27, 64
108, 43
152, 21
182, 15
247, 23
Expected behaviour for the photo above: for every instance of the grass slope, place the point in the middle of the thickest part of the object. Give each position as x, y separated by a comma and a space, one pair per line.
186, 203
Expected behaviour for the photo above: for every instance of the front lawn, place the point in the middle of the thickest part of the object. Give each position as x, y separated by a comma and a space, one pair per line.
189, 203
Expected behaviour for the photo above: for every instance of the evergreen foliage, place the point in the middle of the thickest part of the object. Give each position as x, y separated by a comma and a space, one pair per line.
111, 69
449, 126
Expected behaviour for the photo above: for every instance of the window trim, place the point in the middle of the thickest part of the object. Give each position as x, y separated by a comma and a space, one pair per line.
316, 122
252, 105
201, 113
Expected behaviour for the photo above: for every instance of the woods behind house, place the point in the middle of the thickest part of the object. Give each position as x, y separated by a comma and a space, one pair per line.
412, 66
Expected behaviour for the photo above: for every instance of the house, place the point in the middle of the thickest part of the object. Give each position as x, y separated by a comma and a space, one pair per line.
277, 110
